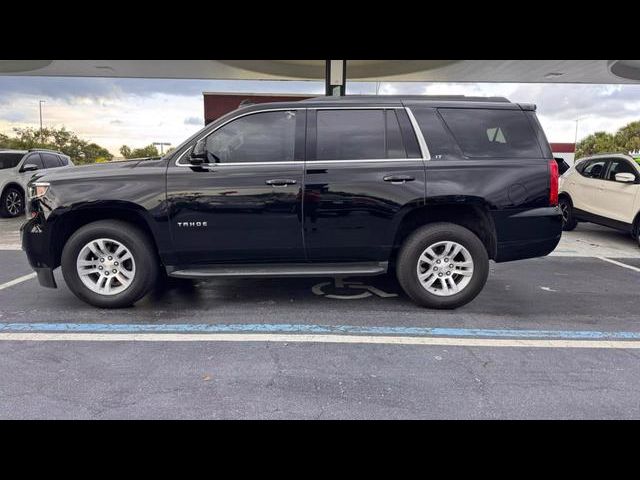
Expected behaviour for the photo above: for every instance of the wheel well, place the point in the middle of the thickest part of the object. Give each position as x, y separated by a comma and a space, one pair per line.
473, 217
72, 221
16, 185
565, 195
636, 225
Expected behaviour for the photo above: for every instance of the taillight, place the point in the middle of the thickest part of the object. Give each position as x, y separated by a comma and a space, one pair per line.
553, 183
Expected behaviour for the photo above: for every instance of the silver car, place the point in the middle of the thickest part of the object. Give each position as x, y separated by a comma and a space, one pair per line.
16, 169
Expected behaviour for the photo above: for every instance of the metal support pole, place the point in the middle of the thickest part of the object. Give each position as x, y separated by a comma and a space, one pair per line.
336, 78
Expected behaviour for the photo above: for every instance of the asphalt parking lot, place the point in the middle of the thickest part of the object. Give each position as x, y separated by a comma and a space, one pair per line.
554, 337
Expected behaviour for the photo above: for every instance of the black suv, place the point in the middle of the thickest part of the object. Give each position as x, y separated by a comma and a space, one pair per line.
428, 187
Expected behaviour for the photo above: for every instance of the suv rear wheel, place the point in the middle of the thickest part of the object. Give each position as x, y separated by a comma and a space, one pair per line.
11, 202
442, 265
109, 264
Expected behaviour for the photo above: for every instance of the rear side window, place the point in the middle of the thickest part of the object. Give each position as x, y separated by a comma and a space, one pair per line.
580, 166
10, 160
439, 141
394, 145
593, 168
64, 161
50, 160
350, 134
486, 133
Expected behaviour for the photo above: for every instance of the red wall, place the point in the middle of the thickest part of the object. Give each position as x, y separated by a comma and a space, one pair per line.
216, 105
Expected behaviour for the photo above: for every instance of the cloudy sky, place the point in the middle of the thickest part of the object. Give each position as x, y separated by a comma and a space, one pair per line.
137, 112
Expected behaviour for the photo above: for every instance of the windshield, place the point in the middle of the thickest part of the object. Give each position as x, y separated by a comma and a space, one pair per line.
10, 160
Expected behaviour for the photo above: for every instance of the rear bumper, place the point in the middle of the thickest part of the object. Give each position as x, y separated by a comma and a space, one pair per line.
527, 233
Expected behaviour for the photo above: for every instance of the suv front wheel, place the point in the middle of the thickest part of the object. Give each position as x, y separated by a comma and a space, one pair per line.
109, 264
442, 265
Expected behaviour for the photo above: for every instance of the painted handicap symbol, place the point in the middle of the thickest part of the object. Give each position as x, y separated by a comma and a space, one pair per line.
339, 283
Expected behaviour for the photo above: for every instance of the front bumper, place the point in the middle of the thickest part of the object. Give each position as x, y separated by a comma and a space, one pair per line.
37, 245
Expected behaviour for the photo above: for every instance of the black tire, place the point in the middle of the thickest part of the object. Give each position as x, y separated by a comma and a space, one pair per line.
134, 239
7, 202
568, 220
415, 245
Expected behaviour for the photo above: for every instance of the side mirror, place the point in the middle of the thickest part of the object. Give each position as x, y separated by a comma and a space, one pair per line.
29, 167
625, 177
198, 154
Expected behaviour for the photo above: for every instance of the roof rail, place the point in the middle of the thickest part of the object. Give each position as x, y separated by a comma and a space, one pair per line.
438, 98
44, 150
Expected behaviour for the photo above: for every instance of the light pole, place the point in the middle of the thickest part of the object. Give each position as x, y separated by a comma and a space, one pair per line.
161, 144
41, 102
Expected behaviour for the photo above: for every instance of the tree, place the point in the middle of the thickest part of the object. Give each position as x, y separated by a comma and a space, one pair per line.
80, 151
628, 137
598, 142
125, 151
625, 140
148, 151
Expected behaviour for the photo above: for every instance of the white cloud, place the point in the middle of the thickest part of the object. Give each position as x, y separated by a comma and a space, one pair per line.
136, 112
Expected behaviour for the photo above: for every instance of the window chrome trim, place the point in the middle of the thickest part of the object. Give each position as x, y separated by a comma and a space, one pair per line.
426, 155
363, 160
357, 108
210, 132
211, 165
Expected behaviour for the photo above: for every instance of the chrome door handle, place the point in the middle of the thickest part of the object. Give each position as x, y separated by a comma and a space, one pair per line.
280, 182
398, 179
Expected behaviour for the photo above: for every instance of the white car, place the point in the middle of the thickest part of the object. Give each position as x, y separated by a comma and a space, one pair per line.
602, 189
16, 169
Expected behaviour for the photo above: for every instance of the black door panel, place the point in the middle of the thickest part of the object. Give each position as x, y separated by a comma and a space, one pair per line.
351, 213
247, 220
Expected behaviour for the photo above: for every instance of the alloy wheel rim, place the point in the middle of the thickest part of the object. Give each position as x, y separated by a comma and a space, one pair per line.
445, 268
106, 266
564, 208
13, 203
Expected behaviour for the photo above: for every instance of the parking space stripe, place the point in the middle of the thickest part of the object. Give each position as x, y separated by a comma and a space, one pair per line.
620, 264
324, 333
13, 282
297, 338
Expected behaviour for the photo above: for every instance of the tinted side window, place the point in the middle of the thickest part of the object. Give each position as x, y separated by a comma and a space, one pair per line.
395, 146
260, 137
10, 160
483, 133
34, 159
50, 160
594, 168
580, 166
64, 161
350, 134
620, 166
439, 142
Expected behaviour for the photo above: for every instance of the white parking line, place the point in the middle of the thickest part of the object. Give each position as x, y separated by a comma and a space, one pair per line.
620, 264
293, 338
18, 280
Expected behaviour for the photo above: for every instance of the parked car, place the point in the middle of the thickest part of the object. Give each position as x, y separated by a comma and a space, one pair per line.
602, 189
16, 169
428, 188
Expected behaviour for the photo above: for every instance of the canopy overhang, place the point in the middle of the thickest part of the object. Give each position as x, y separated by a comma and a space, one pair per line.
521, 71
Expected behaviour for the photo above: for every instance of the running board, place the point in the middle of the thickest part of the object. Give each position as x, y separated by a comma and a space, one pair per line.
281, 270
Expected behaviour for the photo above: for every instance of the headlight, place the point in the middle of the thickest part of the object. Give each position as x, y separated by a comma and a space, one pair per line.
38, 189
